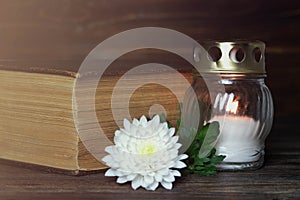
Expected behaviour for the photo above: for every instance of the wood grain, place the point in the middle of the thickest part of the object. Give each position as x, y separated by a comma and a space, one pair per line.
35, 32
69, 29
42, 31
278, 179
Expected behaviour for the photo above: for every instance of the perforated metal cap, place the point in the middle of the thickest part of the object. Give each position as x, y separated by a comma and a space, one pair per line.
236, 56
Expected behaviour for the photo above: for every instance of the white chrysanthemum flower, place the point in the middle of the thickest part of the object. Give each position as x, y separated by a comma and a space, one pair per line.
146, 153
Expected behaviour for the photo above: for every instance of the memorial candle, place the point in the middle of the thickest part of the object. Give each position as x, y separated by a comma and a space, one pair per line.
237, 140
231, 91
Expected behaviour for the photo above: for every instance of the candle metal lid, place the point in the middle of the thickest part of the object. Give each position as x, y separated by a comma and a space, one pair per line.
247, 57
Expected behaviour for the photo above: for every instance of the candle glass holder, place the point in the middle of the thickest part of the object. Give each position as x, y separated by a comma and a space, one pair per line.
244, 108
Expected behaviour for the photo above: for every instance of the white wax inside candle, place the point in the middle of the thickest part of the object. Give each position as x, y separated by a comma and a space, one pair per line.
239, 139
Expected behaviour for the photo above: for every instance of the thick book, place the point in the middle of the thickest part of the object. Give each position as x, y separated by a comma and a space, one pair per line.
37, 123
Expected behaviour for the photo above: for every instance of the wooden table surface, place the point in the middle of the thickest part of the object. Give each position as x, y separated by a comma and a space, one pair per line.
278, 179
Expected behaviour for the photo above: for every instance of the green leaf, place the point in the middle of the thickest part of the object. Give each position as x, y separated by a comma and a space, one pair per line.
202, 158
217, 159
186, 138
162, 118
178, 123
209, 134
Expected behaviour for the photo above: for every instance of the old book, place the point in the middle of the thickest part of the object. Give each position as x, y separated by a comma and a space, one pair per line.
37, 123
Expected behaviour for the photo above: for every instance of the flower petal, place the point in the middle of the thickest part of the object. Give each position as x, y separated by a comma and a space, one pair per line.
174, 139
136, 183
167, 185
179, 164
163, 172
177, 146
155, 121
143, 121
143, 183
169, 178
119, 173
158, 177
109, 149
126, 124
175, 173
153, 186
171, 131
122, 179
130, 177
162, 134
135, 122
110, 172
117, 133
183, 156
148, 179
108, 159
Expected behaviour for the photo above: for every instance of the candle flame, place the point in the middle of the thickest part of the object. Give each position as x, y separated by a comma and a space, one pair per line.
232, 107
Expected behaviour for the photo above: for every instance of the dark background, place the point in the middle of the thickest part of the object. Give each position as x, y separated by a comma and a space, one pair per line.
66, 30
37, 31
